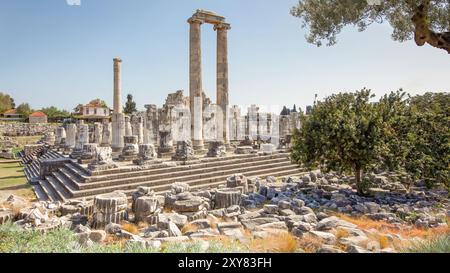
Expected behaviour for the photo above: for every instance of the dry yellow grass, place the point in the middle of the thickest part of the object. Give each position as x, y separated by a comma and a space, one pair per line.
131, 228
384, 241
142, 225
283, 242
310, 244
404, 231
341, 233
189, 227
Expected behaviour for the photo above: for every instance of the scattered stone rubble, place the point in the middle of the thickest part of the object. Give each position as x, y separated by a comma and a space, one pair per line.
25, 129
301, 206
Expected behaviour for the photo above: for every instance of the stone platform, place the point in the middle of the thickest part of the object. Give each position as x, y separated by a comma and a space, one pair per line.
74, 180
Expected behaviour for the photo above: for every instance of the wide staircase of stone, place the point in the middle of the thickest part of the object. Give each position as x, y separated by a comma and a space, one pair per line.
33, 161
73, 181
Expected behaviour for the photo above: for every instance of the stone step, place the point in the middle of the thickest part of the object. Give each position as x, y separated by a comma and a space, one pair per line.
210, 185
49, 191
72, 181
161, 168
59, 189
72, 186
210, 161
188, 174
75, 170
39, 192
193, 179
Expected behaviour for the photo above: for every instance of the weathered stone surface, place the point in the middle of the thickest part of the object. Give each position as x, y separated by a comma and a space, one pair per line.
5, 216
179, 187
227, 197
102, 159
97, 236
110, 208
193, 204
238, 180
216, 149
184, 151
201, 223
329, 249
327, 237
273, 225
270, 209
244, 150
113, 228
268, 148
89, 153
354, 240
14, 201
173, 229
356, 249
147, 154
130, 150
332, 222
178, 219
232, 229
253, 224
145, 206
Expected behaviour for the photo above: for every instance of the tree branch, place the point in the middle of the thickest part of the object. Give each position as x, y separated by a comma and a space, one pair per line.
423, 34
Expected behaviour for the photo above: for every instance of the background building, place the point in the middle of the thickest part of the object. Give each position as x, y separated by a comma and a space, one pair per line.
37, 117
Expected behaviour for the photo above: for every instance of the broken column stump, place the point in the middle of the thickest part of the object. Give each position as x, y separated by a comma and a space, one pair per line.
110, 208
227, 197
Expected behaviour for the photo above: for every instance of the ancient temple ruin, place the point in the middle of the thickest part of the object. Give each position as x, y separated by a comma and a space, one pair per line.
188, 138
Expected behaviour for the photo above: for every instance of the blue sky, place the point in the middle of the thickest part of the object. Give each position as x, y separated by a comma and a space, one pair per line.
52, 53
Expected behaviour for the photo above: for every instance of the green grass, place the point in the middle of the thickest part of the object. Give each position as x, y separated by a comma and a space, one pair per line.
438, 244
11, 175
23, 140
15, 240
13, 181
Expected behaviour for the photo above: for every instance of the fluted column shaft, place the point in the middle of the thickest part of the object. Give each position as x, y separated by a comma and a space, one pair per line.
195, 83
117, 85
222, 75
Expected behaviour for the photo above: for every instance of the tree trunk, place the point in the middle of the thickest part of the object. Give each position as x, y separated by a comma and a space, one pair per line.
358, 176
423, 34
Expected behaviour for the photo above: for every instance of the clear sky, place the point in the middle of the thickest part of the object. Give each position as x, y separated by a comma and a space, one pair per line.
52, 53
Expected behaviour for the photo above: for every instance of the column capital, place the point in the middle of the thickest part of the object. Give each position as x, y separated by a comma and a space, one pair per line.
194, 20
222, 26
117, 60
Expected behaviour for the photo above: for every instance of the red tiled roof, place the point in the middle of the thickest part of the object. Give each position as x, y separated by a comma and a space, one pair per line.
10, 112
38, 114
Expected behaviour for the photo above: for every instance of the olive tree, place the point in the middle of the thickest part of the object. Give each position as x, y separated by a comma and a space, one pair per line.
425, 21
342, 133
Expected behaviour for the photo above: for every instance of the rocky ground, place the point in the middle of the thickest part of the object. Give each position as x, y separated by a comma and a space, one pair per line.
314, 213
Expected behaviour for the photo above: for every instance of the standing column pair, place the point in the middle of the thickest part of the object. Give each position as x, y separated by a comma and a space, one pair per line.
195, 80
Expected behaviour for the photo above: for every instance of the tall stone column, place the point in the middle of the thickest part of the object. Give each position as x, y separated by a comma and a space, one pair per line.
118, 118
71, 136
222, 76
195, 83
117, 85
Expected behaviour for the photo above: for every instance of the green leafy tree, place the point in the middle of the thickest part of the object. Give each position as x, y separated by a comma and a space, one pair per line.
53, 112
13, 103
130, 105
429, 154
99, 102
427, 21
6, 102
77, 108
24, 109
395, 114
342, 133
